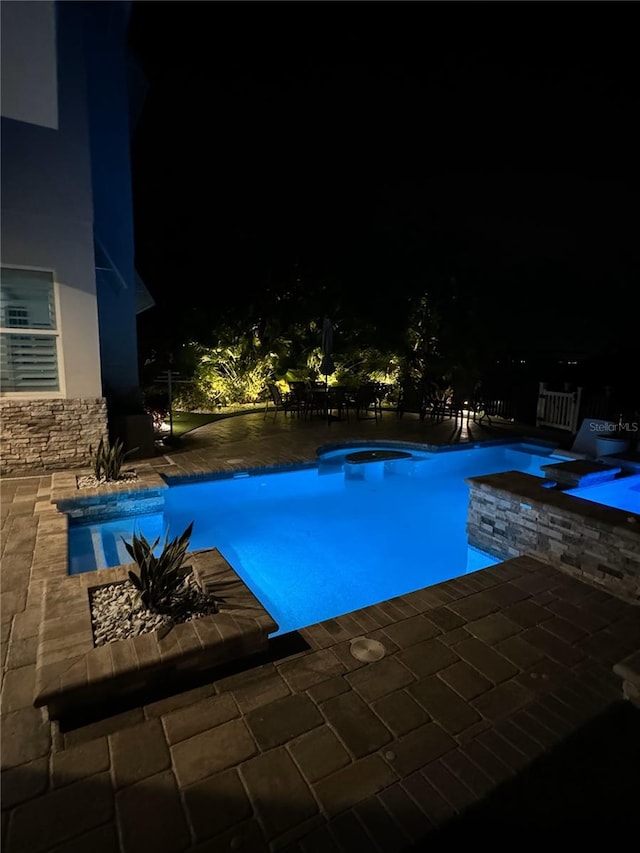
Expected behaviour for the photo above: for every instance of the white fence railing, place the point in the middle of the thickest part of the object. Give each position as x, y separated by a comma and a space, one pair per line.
558, 409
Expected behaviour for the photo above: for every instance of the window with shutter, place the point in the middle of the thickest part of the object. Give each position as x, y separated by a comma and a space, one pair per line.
28, 331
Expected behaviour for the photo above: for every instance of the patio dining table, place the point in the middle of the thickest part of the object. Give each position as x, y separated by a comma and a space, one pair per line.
325, 400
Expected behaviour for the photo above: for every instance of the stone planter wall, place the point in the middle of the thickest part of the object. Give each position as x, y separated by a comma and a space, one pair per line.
109, 500
45, 435
511, 514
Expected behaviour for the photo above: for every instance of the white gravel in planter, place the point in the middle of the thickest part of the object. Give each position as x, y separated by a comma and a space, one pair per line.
90, 481
118, 614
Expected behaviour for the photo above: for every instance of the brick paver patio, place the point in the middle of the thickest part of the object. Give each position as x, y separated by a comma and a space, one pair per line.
308, 749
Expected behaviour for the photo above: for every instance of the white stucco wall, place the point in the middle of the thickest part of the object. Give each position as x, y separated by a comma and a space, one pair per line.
28, 62
47, 212
65, 248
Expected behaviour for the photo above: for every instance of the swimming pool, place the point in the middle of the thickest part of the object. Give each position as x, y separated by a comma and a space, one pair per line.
620, 493
326, 539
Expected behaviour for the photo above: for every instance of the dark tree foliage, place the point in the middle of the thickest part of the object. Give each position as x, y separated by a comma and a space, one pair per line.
317, 173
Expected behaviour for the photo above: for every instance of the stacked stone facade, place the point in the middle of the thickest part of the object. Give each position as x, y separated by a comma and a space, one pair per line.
47, 435
511, 514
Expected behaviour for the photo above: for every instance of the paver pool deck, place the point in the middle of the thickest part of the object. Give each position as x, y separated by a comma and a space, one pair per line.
308, 748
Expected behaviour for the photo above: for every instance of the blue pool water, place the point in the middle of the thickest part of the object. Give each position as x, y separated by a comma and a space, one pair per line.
317, 542
622, 493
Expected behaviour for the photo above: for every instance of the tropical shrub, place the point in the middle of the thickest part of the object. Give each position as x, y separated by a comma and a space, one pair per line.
107, 460
159, 578
233, 372
193, 398
368, 364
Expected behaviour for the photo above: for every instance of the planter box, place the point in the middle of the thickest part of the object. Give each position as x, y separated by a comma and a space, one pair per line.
108, 500
72, 673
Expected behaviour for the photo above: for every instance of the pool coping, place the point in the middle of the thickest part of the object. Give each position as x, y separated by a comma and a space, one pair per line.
64, 489
67, 496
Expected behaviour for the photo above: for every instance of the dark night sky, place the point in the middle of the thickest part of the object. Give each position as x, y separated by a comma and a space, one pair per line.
376, 143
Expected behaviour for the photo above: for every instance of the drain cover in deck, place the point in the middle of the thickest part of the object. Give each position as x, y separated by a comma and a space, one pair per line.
367, 650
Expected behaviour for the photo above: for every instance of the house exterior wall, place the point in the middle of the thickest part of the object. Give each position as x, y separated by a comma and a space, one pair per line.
29, 77
66, 169
47, 210
105, 28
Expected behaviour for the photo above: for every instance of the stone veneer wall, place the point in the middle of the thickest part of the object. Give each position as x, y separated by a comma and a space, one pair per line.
511, 514
108, 506
45, 435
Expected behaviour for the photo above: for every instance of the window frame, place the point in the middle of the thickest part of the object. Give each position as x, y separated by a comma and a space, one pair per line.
56, 333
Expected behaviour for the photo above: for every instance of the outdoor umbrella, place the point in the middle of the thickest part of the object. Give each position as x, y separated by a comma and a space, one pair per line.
327, 366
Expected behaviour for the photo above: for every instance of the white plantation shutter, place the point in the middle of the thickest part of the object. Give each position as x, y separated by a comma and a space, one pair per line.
28, 331
28, 363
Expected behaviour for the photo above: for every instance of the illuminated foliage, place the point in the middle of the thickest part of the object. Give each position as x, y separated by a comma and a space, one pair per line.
283, 344
235, 371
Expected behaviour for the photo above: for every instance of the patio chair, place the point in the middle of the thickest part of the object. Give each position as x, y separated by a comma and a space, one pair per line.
413, 398
461, 402
364, 401
284, 402
301, 393
438, 403
338, 401
484, 406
